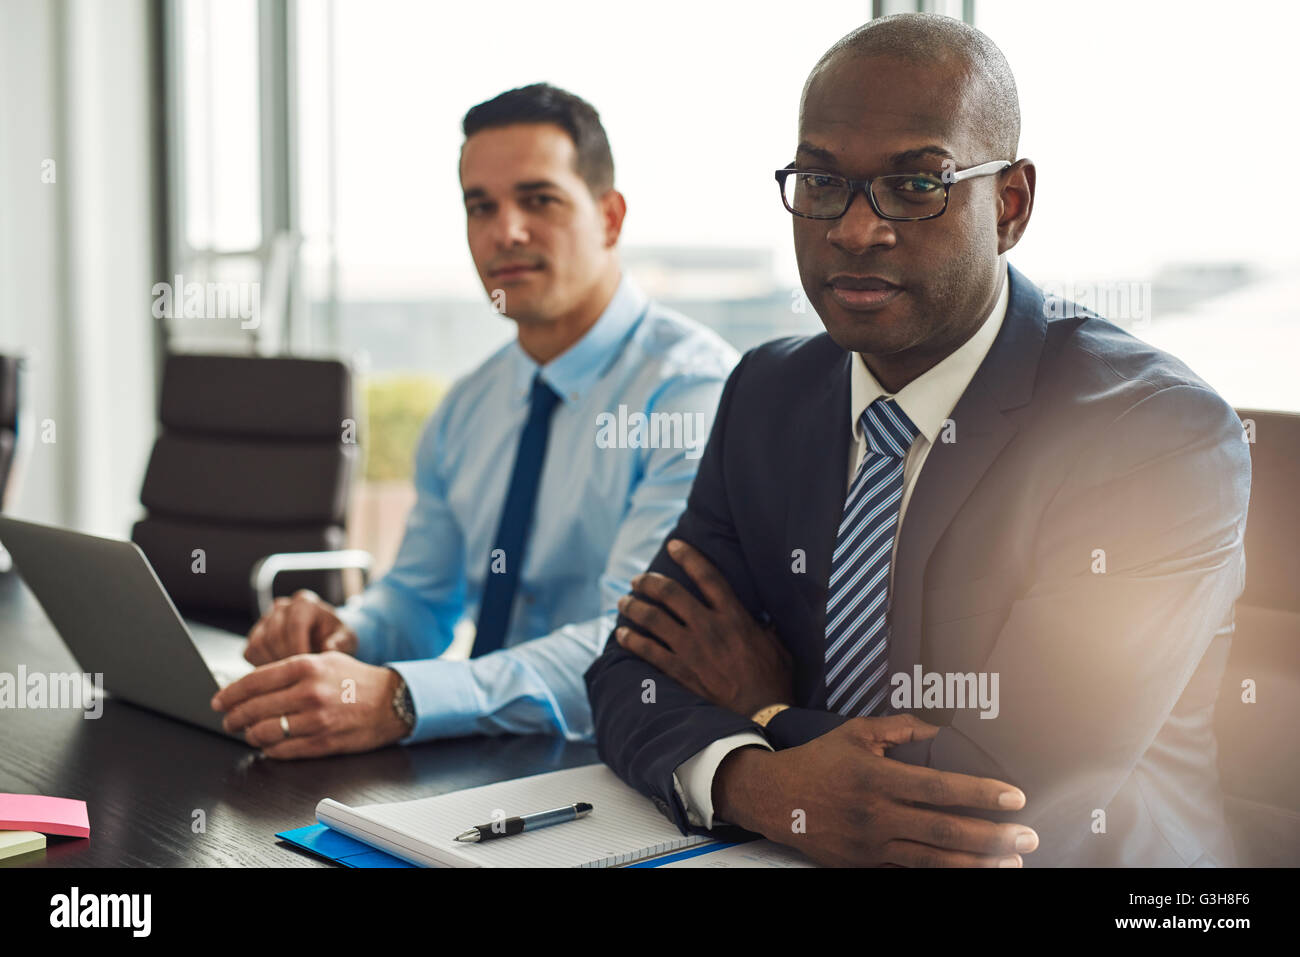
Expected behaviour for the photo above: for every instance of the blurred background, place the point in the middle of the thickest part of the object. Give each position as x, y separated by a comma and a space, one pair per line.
307, 150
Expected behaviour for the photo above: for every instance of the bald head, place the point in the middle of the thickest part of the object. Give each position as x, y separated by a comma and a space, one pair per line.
968, 56
901, 102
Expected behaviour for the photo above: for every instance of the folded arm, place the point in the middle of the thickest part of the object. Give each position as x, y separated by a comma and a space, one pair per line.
1090, 661
646, 723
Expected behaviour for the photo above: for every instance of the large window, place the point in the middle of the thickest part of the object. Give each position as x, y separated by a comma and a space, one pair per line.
374, 225
317, 144
1161, 132
383, 87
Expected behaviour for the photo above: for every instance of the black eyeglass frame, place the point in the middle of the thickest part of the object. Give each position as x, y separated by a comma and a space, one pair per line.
864, 185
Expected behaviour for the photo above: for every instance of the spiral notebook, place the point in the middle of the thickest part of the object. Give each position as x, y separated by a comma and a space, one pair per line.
623, 827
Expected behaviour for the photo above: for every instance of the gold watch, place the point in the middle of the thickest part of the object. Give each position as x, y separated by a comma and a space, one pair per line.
763, 715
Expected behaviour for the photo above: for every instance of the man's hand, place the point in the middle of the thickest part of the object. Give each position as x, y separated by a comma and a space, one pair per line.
333, 704
716, 650
841, 802
298, 625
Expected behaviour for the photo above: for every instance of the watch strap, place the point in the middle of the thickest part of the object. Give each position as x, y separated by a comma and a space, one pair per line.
763, 715
403, 703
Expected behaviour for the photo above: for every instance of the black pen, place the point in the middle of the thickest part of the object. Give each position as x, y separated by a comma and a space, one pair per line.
528, 822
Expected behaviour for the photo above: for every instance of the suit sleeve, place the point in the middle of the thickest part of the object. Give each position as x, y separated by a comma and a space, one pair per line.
796, 726
1139, 559
646, 724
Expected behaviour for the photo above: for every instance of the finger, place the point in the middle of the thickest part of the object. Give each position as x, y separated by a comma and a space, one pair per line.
252, 650
272, 639
259, 651
658, 656
669, 593
710, 582
894, 729
782, 651
912, 854
339, 640
256, 653
956, 832
951, 789
269, 731
297, 697
654, 620
267, 678
299, 618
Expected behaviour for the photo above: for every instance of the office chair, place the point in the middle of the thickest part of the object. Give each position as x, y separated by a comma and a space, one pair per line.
15, 429
249, 479
1259, 748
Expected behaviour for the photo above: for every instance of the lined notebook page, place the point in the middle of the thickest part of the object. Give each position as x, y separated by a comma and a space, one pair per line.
624, 826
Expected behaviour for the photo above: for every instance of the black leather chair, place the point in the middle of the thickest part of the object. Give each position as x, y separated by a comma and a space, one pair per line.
1259, 743
254, 460
10, 370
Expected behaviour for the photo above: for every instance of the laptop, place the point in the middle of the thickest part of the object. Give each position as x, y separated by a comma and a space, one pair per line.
115, 617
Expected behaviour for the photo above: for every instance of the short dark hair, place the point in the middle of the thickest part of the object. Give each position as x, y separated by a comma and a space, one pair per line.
543, 103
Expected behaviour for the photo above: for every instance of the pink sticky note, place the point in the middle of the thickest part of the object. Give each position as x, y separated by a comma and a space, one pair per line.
49, 815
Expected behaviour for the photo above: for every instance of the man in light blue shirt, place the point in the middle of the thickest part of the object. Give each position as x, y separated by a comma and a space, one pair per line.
546, 479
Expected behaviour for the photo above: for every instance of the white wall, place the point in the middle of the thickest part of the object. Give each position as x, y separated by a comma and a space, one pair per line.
76, 255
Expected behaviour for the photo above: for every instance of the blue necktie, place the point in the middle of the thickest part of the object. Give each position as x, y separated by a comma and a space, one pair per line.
516, 520
857, 603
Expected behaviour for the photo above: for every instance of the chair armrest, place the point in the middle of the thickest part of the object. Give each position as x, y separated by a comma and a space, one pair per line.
266, 569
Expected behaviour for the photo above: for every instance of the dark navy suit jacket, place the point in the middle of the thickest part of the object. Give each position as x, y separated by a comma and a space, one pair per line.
1075, 444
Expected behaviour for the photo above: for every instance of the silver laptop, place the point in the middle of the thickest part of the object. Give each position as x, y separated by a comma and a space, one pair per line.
116, 618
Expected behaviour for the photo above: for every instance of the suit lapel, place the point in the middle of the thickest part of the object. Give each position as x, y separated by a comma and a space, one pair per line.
1004, 380
819, 482
820, 466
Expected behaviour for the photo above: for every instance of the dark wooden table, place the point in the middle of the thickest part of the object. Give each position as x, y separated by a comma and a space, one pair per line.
143, 776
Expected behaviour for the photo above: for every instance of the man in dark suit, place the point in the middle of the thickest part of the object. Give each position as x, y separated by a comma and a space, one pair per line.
955, 579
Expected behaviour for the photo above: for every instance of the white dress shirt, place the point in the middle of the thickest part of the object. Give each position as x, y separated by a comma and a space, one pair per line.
928, 401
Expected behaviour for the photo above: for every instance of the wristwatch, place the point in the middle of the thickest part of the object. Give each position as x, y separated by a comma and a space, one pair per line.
763, 715
403, 703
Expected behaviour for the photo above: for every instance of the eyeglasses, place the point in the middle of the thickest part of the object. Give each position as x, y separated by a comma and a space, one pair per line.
903, 197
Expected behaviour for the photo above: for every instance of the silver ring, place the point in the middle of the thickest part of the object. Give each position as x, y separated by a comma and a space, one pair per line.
284, 726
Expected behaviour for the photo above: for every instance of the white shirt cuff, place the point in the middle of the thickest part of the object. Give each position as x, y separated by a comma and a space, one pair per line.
698, 771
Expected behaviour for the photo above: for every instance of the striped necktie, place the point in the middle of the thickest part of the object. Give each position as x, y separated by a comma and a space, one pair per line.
857, 632
516, 521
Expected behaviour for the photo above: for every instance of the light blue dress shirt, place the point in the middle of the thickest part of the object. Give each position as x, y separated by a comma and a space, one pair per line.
638, 396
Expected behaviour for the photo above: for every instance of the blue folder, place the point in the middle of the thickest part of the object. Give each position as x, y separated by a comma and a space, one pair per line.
333, 846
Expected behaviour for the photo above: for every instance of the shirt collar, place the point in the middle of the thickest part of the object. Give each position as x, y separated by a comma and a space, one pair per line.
930, 398
576, 370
